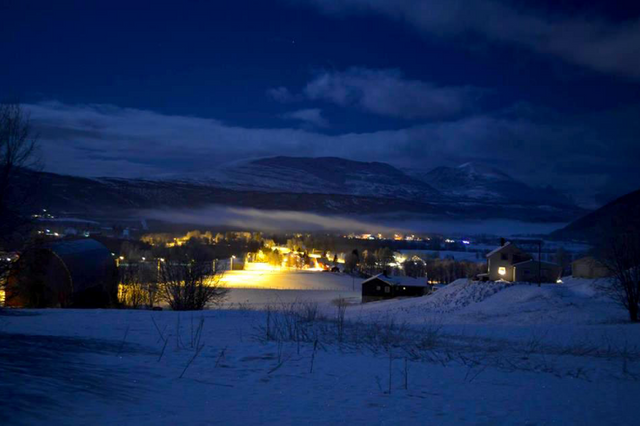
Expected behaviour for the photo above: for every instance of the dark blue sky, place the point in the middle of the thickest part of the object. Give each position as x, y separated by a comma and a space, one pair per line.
547, 91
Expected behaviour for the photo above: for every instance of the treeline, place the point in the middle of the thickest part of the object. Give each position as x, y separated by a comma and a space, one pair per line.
436, 271
444, 271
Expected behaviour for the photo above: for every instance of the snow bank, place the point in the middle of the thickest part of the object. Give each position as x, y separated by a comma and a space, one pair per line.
576, 301
450, 298
461, 293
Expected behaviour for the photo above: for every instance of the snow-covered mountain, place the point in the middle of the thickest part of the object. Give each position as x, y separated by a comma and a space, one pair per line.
323, 175
472, 182
324, 185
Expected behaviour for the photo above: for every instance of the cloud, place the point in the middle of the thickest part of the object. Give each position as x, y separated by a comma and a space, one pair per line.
385, 92
282, 94
602, 45
312, 117
106, 140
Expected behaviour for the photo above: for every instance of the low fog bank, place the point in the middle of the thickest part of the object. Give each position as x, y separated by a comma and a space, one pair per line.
293, 221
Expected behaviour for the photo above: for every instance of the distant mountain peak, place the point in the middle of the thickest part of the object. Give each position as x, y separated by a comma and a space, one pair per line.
476, 182
482, 170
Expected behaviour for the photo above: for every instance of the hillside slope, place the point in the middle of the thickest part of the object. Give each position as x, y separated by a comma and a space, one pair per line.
475, 182
620, 214
323, 175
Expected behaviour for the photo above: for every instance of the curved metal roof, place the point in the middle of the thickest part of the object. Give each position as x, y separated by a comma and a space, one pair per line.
87, 261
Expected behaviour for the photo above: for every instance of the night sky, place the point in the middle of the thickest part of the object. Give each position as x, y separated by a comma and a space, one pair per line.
547, 91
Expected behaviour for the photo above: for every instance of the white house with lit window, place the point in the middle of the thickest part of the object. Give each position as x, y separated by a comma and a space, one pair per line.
501, 262
509, 263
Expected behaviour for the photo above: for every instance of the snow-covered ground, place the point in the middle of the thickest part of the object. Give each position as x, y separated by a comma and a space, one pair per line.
255, 289
471, 353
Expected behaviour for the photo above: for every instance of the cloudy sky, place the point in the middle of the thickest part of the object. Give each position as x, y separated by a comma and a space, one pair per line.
548, 91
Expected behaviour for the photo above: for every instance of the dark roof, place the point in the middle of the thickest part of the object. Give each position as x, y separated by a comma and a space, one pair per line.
86, 260
398, 281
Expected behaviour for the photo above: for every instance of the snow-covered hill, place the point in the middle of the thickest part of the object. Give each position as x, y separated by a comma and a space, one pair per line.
324, 175
475, 182
576, 301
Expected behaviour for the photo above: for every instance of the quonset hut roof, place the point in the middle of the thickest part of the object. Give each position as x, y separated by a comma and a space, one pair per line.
86, 261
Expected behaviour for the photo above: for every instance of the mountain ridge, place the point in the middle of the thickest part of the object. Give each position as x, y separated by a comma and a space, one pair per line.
619, 215
324, 185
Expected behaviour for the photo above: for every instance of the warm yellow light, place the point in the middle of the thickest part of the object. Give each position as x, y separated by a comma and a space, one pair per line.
502, 270
121, 257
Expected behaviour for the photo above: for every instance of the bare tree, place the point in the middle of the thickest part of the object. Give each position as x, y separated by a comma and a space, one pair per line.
18, 148
415, 268
190, 282
137, 286
351, 261
622, 257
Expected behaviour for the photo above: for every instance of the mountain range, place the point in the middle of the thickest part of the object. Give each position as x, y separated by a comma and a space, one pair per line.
324, 185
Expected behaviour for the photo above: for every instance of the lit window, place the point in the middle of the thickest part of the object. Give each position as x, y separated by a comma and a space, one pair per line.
387, 289
502, 270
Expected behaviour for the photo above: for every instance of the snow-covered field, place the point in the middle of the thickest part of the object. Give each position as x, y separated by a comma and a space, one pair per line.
471, 353
255, 289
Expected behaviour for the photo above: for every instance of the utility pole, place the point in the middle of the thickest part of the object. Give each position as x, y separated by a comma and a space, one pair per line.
539, 262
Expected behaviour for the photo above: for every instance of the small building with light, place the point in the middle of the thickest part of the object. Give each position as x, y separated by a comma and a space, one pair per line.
382, 287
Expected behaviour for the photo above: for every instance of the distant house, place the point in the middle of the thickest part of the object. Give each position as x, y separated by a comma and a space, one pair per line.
381, 287
501, 261
78, 273
510, 263
589, 267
